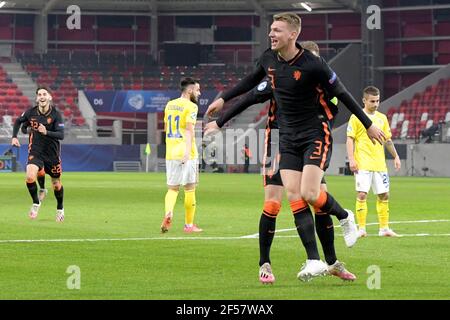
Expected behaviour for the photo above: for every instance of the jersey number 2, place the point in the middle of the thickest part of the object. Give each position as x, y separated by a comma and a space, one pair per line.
177, 122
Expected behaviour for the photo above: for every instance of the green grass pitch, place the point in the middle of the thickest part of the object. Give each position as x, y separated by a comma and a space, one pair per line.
220, 263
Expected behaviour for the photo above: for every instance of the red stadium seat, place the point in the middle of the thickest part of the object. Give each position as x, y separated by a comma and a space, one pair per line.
418, 30
80, 121
442, 27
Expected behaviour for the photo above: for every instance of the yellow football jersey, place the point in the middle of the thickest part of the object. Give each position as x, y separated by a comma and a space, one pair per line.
369, 156
177, 114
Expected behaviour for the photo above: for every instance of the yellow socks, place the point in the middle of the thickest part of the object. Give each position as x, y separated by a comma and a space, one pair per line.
383, 213
189, 206
171, 199
361, 213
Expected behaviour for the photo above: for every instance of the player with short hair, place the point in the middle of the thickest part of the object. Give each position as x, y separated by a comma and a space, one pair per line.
180, 116
44, 149
297, 79
273, 186
368, 163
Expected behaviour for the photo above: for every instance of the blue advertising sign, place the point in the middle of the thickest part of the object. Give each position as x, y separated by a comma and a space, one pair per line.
141, 101
6, 164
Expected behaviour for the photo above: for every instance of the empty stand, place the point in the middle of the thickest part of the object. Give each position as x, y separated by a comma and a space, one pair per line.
66, 72
12, 100
425, 109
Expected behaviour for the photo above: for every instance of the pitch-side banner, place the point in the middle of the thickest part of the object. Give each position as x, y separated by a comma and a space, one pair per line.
6, 163
140, 100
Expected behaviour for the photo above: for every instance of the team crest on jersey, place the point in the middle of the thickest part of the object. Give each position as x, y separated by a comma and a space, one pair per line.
262, 86
194, 115
49, 120
297, 75
30, 158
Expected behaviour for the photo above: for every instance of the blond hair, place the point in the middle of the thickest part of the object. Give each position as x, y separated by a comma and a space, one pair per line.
311, 46
292, 19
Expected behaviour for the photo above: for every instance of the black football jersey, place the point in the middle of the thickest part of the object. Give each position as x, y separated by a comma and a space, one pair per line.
47, 146
299, 87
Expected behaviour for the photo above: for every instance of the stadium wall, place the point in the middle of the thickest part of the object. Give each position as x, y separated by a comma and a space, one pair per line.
419, 160
86, 110
85, 157
347, 65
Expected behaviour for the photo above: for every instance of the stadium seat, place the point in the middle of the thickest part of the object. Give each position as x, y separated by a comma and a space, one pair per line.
447, 117
7, 122
442, 27
431, 104
443, 58
404, 131
424, 116
418, 30
394, 120
394, 132
314, 32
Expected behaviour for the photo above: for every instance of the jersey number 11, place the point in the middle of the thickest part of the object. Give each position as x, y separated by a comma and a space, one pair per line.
177, 123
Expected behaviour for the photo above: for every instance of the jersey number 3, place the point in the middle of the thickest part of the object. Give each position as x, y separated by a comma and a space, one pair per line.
177, 128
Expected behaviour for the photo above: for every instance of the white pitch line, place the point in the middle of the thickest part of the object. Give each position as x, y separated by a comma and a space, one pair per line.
251, 236
400, 235
118, 239
184, 238
412, 221
255, 235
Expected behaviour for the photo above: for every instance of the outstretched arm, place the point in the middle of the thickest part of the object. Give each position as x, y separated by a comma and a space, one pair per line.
247, 83
243, 104
373, 132
330, 81
242, 86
